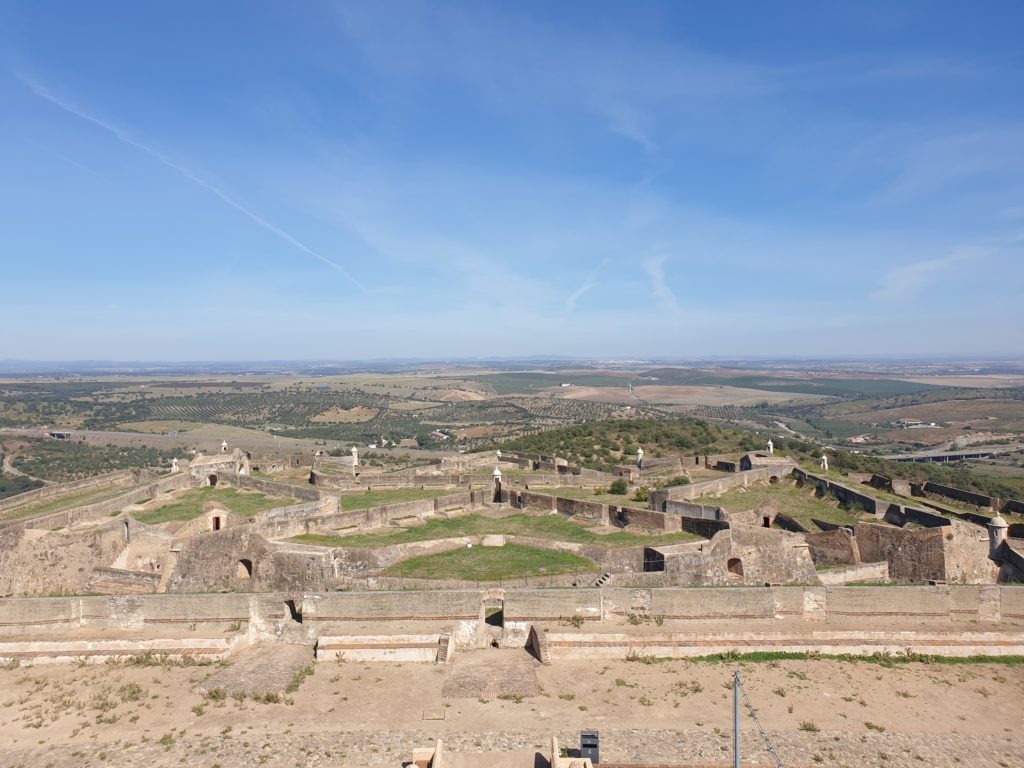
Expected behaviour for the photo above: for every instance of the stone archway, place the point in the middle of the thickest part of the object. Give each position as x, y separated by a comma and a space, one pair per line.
211, 480
244, 570
735, 566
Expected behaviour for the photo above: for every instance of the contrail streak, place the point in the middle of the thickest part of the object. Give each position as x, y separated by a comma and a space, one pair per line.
121, 135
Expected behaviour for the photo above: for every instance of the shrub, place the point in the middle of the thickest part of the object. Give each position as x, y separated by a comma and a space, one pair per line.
618, 487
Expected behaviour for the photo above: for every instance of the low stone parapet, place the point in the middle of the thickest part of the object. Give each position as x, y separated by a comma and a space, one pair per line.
579, 645
62, 652
421, 648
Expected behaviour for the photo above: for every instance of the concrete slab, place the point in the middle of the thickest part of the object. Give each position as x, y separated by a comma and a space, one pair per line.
491, 674
260, 670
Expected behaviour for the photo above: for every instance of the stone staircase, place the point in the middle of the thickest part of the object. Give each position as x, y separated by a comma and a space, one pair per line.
121, 561
442, 649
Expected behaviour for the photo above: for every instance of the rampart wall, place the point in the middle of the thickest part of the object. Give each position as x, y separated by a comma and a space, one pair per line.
835, 547
1014, 507
691, 509
464, 480
375, 517
209, 615
691, 491
100, 509
958, 494
845, 494
121, 477
297, 519
273, 487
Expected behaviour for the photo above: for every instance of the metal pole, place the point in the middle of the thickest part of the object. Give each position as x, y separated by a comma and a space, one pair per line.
736, 719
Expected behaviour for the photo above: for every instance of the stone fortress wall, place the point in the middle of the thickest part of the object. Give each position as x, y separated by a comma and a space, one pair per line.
120, 477
553, 623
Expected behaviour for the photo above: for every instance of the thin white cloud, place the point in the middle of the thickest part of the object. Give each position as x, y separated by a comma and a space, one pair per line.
907, 281
632, 124
579, 293
663, 294
588, 285
44, 93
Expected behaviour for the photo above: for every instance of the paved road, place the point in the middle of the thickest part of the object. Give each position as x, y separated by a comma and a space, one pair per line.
10, 469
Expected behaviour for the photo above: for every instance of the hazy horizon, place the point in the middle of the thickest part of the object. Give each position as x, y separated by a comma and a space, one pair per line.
349, 181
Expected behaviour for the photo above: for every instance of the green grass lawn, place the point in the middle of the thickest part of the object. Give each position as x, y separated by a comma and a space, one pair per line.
63, 502
554, 527
491, 563
190, 504
799, 503
367, 499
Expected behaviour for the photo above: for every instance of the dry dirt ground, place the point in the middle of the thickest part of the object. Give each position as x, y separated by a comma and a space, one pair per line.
819, 712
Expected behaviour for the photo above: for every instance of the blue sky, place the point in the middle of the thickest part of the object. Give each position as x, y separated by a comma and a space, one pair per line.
257, 180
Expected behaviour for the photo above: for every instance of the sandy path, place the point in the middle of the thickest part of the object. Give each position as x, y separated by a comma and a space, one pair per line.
373, 714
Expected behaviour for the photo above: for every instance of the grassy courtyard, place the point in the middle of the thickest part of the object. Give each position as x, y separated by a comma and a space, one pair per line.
491, 564
554, 527
190, 504
799, 503
366, 499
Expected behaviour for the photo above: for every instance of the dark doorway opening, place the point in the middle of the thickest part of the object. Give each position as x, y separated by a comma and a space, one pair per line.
494, 613
766, 522
293, 612
735, 566
212, 480
216, 523
244, 570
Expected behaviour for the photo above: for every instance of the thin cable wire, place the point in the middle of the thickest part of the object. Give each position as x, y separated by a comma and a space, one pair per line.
764, 736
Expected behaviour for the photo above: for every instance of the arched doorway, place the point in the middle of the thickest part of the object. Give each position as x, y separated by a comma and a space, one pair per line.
211, 480
244, 570
735, 566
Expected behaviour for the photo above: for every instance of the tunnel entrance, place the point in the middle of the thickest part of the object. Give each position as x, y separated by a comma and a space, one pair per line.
211, 480
735, 566
244, 570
